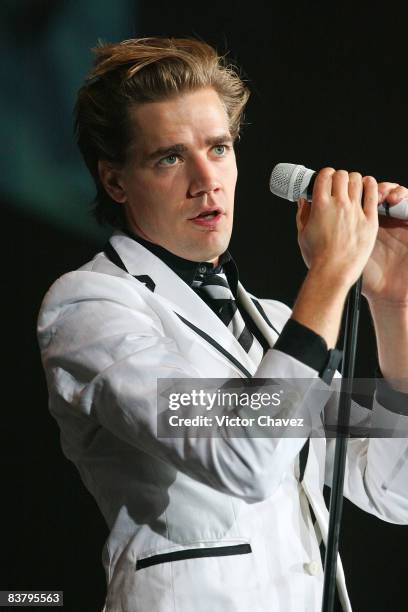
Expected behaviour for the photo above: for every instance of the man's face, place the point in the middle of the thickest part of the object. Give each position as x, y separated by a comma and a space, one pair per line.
179, 180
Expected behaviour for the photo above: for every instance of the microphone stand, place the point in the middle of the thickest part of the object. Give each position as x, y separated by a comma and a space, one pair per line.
336, 497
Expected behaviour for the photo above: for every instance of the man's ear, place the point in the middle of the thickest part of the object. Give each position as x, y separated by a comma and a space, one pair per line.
111, 179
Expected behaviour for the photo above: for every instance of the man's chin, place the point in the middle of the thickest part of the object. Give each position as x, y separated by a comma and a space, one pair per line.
209, 255
209, 252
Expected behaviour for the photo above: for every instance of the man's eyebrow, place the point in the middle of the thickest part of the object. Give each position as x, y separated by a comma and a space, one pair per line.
163, 151
221, 139
182, 148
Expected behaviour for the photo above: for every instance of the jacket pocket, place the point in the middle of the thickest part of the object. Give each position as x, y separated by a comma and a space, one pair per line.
194, 553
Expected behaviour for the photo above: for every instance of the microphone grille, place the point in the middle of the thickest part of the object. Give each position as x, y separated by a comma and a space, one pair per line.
290, 181
280, 179
297, 186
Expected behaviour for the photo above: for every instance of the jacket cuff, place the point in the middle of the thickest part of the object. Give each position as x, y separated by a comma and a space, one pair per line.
306, 346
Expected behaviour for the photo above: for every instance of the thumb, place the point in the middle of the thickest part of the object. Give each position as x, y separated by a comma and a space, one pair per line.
303, 213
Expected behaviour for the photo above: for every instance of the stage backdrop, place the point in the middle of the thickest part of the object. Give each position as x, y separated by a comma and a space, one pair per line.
328, 88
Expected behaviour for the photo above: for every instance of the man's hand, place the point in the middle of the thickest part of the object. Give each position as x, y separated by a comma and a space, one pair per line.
385, 285
346, 239
385, 277
337, 234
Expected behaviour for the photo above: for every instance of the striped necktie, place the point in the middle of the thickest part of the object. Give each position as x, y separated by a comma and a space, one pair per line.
215, 286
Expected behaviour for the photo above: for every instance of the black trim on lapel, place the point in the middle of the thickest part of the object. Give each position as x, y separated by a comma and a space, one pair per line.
263, 315
303, 457
146, 280
215, 344
115, 258
194, 553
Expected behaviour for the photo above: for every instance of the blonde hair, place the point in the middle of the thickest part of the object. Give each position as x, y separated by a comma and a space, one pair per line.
137, 71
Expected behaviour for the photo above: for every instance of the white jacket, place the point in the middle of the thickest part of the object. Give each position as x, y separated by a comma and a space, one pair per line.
229, 514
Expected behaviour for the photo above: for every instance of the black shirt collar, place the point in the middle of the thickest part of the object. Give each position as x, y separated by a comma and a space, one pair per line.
188, 270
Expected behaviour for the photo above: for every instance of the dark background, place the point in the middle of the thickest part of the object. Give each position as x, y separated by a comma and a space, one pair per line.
328, 87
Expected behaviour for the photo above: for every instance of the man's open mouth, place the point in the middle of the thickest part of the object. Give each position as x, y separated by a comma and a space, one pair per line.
208, 215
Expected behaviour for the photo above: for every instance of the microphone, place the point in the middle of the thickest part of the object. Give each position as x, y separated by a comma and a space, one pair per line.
292, 182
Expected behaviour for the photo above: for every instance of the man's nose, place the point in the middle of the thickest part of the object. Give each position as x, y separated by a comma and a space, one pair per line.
203, 179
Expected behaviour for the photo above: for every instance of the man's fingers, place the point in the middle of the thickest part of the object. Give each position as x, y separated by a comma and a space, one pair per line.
397, 194
340, 184
370, 200
355, 187
323, 186
384, 189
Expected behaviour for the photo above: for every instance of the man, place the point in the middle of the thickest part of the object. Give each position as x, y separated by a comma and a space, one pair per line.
206, 523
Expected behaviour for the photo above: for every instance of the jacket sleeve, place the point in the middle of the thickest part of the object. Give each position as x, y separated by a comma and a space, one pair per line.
376, 476
103, 349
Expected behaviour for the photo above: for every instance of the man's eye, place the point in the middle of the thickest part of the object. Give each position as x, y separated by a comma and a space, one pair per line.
169, 160
219, 149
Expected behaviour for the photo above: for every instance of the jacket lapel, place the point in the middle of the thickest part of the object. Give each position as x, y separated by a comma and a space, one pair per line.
265, 326
187, 305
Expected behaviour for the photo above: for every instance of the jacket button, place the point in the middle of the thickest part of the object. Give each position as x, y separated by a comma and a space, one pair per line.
312, 568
